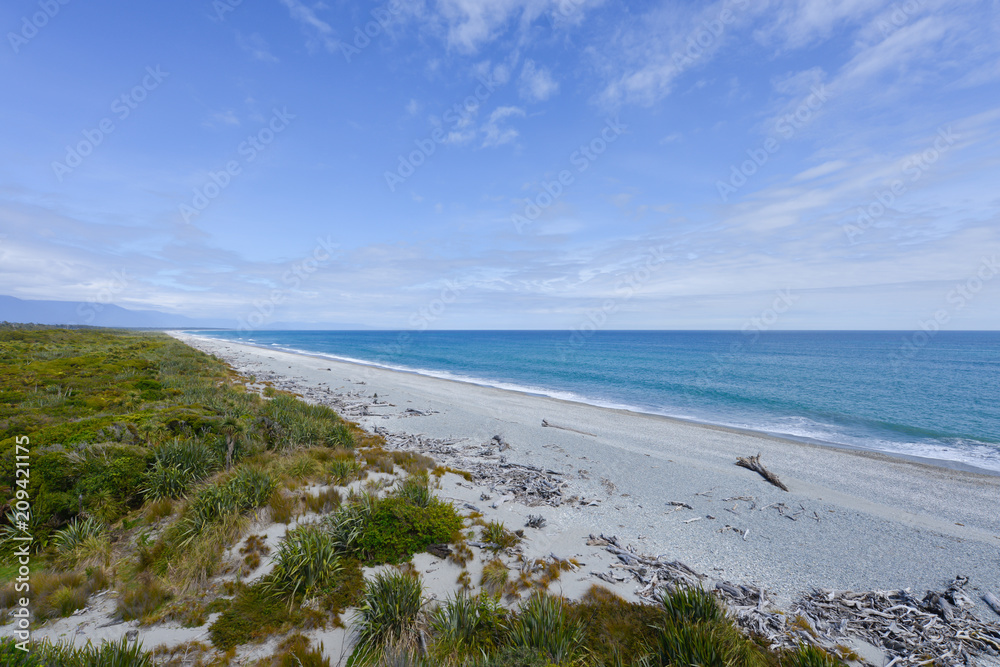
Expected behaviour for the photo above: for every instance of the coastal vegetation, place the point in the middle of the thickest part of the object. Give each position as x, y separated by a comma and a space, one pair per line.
155, 468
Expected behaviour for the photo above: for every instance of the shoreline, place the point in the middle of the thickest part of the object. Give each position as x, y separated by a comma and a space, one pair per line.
948, 464
849, 522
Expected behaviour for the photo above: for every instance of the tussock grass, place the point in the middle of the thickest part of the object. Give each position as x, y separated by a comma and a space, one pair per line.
494, 577
119, 653
324, 501
142, 597
466, 626
497, 535
543, 625
387, 616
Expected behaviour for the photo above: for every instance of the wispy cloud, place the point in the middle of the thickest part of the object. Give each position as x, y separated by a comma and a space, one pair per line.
319, 31
256, 46
495, 129
536, 84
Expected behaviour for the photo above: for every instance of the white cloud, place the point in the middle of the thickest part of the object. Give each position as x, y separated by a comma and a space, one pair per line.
320, 31
412, 107
537, 84
256, 46
496, 133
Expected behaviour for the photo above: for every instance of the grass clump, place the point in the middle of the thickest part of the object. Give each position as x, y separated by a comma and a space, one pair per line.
494, 577
254, 613
307, 562
544, 625
121, 653
59, 594
295, 651
498, 536
249, 488
467, 626
387, 616
144, 597
809, 656
324, 501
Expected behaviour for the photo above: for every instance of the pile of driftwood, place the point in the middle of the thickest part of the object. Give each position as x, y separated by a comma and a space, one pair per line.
938, 628
505, 480
652, 573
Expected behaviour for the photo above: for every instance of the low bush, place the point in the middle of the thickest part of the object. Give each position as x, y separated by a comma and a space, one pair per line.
254, 613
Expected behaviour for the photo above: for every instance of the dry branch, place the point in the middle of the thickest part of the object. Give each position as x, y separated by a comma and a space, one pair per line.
753, 463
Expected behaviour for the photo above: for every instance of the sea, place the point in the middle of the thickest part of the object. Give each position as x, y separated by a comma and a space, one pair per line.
932, 395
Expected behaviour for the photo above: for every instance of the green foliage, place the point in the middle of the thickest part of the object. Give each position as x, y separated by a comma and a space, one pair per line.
543, 625
142, 598
254, 613
466, 626
387, 615
809, 656
496, 534
614, 628
306, 563
294, 423
177, 465
692, 605
343, 470
415, 490
296, 652
248, 488
76, 533
396, 529
120, 653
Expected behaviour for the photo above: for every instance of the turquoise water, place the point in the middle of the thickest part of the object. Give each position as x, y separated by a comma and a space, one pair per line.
929, 396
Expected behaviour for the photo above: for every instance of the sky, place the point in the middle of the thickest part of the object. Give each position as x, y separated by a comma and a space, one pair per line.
506, 164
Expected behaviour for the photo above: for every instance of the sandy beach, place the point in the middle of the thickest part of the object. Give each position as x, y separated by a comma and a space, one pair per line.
850, 520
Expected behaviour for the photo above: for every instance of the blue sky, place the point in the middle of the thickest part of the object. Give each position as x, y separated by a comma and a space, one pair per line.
506, 163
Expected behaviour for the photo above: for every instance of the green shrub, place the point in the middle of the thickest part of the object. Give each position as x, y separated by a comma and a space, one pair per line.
254, 613
615, 628
397, 529
119, 653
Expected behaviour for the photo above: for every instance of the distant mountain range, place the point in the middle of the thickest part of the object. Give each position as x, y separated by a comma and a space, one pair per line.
76, 313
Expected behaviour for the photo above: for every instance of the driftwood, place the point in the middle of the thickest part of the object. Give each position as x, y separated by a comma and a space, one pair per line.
753, 463
992, 601
545, 422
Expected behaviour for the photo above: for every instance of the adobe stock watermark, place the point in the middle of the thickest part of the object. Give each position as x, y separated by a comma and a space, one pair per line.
382, 16
88, 310
913, 168
420, 320
704, 36
121, 108
297, 274
223, 7
786, 128
248, 150
626, 288
751, 331
580, 159
33, 24
457, 117
957, 298
899, 16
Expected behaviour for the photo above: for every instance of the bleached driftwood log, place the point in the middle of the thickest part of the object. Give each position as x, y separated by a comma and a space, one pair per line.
753, 463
